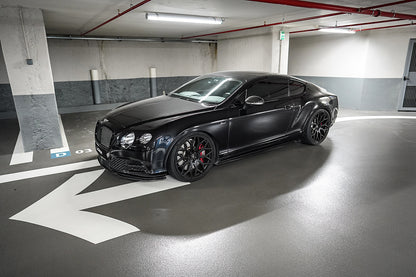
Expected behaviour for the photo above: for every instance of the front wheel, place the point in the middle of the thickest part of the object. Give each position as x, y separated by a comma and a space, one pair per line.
317, 127
192, 157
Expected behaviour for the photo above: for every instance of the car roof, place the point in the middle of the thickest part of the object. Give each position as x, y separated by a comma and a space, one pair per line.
249, 75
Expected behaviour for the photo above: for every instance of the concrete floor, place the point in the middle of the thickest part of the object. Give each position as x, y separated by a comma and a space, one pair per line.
345, 208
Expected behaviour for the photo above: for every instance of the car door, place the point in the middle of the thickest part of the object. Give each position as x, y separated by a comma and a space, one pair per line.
251, 125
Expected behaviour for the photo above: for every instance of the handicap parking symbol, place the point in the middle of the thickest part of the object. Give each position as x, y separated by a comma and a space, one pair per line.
60, 154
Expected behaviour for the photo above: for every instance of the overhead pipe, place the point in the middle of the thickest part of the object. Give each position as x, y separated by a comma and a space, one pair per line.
330, 7
388, 4
297, 20
265, 25
348, 25
66, 37
117, 16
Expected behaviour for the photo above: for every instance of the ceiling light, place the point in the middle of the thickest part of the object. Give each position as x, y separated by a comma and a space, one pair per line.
183, 18
336, 30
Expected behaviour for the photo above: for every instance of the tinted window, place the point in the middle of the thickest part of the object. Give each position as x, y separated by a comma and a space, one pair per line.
211, 89
269, 89
296, 88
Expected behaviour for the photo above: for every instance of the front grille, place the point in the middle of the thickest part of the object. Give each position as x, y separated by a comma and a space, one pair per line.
104, 136
126, 166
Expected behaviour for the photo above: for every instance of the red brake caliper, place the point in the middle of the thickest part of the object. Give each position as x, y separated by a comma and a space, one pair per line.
201, 152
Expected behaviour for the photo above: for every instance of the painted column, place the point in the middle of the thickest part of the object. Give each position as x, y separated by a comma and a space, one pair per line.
280, 51
153, 85
96, 95
284, 53
25, 50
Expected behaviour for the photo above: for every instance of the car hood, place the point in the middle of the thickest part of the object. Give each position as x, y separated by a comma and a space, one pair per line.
152, 109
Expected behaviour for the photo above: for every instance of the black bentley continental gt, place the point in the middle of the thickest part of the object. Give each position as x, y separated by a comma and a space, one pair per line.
210, 119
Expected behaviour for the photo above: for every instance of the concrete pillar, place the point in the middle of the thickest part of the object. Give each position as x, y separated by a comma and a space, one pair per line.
25, 50
280, 51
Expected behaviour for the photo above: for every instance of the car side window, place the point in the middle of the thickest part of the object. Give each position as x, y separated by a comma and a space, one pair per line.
296, 88
270, 89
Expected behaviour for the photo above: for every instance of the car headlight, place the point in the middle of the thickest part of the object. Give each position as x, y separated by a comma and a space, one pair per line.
145, 138
127, 140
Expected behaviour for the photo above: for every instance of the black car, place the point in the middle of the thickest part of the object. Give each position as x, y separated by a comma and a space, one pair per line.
210, 119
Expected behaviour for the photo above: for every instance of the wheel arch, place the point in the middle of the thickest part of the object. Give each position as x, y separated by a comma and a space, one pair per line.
181, 135
310, 108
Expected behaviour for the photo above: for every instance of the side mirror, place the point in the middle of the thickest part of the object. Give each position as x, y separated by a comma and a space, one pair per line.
254, 100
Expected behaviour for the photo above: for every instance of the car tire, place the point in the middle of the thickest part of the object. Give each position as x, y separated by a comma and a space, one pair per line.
317, 127
192, 157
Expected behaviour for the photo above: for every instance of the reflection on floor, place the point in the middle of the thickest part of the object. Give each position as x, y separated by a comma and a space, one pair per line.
345, 208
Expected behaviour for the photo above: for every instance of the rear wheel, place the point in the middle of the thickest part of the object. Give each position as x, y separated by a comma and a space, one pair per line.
192, 157
317, 128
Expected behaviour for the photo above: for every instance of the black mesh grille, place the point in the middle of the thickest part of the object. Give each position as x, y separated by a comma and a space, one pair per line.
410, 97
125, 166
105, 135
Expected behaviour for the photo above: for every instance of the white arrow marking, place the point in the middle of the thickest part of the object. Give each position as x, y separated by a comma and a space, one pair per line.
62, 208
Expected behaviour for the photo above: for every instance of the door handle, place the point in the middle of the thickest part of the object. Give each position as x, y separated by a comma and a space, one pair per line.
289, 107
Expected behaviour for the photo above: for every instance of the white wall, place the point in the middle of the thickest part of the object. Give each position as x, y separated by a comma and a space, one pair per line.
4, 79
72, 60
376, 54
247, 53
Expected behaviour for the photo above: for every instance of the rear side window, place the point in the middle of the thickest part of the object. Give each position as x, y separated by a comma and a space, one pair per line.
270, 89
296, 88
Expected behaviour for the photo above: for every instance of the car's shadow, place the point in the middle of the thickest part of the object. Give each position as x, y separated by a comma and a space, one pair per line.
230, 194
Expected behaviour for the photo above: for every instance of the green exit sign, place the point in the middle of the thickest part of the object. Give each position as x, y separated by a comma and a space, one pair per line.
282, 35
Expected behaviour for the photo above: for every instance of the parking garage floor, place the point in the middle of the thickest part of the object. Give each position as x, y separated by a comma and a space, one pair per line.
344, 208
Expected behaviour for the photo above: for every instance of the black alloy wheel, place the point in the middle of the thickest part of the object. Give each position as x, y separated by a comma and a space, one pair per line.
192, 157
317, 128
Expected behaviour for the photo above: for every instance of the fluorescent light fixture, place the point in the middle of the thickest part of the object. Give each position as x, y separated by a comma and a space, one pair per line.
336, 30
170, 17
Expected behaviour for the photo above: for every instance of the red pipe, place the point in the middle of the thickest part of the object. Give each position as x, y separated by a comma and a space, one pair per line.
314, 5
303, 19
385, 27
388, 4
265, 25
117, 16
349, 25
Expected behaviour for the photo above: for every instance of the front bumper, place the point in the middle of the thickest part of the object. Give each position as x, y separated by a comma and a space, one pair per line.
124, 164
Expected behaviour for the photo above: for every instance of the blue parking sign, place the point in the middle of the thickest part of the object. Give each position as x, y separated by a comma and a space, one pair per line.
60, 154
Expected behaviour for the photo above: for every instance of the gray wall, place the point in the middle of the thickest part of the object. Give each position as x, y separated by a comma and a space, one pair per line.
123, 69
378, 94
365, 70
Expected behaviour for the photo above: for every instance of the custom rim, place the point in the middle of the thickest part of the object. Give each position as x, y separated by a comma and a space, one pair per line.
320, 126
194, 156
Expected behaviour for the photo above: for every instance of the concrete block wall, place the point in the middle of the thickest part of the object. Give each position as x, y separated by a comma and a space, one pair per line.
123, 67
365, 69
252, 53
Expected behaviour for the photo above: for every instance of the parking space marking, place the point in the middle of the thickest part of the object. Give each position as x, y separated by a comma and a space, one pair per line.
19, 155
62, 209
47, 171
351, 118
64, 150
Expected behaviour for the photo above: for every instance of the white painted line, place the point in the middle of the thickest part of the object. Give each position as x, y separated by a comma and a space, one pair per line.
47, 171
65, 146
19, 155
351, 118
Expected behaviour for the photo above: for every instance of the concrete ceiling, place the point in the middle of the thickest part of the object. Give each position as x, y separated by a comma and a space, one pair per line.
73, 17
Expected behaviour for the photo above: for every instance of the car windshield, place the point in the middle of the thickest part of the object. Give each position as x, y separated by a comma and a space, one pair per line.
212, 90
